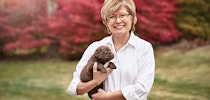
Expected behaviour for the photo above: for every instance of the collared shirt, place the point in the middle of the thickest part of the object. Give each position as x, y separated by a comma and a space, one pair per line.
135, 64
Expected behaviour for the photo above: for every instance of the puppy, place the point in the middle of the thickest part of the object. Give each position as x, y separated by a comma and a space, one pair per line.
101, 55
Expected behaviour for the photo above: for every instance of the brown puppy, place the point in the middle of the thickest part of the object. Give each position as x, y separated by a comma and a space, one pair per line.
102, 55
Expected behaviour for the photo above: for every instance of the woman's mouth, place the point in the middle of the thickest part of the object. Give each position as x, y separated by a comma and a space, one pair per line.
119, 26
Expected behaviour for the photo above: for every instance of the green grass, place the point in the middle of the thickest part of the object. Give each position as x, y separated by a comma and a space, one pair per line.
182, 75
36, 80
179, 76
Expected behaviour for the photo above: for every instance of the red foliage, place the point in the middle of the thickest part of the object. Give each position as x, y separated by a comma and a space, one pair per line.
156, 20
76, 23
22, 25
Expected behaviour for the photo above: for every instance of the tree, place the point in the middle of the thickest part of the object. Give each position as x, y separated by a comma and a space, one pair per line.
22, 25
75, 28
69, 26
156, 20
193, 19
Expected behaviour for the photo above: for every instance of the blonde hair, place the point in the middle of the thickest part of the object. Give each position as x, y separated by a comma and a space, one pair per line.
110, 6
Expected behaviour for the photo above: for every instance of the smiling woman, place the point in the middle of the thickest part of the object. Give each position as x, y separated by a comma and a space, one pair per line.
120, 26
133, 57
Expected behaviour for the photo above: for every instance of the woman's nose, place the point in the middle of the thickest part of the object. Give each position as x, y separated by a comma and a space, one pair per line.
118, 20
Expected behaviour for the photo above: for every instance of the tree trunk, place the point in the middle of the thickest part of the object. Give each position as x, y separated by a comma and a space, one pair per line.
2, 4
53, 51
51, 7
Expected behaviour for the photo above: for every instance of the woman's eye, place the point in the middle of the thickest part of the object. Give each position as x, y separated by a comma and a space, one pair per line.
122, 15
111, 16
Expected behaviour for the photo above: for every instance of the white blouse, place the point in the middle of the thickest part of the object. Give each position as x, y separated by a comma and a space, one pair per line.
135, 63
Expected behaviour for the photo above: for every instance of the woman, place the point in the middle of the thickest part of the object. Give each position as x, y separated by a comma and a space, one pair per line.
134, 58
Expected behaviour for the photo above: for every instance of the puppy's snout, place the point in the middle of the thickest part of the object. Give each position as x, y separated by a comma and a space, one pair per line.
112, 55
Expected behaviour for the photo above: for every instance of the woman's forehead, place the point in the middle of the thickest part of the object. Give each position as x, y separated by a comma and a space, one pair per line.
120, 10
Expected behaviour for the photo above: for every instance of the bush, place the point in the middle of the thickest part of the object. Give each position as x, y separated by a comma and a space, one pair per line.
25, 26
193, 19
22, 26
156, 20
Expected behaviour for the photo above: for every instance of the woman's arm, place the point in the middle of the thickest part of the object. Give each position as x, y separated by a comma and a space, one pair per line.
84, 87
102, 95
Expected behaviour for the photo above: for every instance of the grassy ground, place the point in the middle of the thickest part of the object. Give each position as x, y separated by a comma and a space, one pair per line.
179, 76
182, 75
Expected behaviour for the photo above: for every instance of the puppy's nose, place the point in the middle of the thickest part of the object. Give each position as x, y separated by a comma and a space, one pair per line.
112, 55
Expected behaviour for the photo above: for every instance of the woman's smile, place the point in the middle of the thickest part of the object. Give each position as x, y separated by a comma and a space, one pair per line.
119, 26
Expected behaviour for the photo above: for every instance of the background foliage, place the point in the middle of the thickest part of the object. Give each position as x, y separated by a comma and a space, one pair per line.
29, 27
156, 20
194, 19
22, 24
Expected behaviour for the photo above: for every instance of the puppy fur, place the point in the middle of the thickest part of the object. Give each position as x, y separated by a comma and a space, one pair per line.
101, 55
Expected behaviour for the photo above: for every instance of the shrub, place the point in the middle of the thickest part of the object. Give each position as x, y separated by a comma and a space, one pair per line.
25, 26
22, 26
193, 19
156, 20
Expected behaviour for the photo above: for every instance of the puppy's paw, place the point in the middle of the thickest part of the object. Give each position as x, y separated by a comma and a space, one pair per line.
101, 68
112, 65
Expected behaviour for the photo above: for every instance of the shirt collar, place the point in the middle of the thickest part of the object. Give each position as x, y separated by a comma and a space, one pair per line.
131, 40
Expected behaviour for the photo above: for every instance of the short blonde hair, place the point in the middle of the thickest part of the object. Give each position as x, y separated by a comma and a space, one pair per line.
110, 6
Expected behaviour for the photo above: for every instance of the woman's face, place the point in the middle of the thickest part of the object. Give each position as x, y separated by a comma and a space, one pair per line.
119, 23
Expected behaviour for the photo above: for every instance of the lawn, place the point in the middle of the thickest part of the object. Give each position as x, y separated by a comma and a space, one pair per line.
179, 76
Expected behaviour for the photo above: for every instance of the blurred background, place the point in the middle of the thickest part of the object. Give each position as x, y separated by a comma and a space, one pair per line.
41, 42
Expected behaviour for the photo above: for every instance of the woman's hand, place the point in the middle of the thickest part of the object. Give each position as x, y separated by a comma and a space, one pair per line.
100, 95
103, 95
98, 76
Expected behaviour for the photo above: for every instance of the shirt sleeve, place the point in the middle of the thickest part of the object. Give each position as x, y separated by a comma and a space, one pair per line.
144, 81
76, 74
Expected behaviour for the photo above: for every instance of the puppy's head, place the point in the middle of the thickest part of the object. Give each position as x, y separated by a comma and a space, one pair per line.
103, 54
